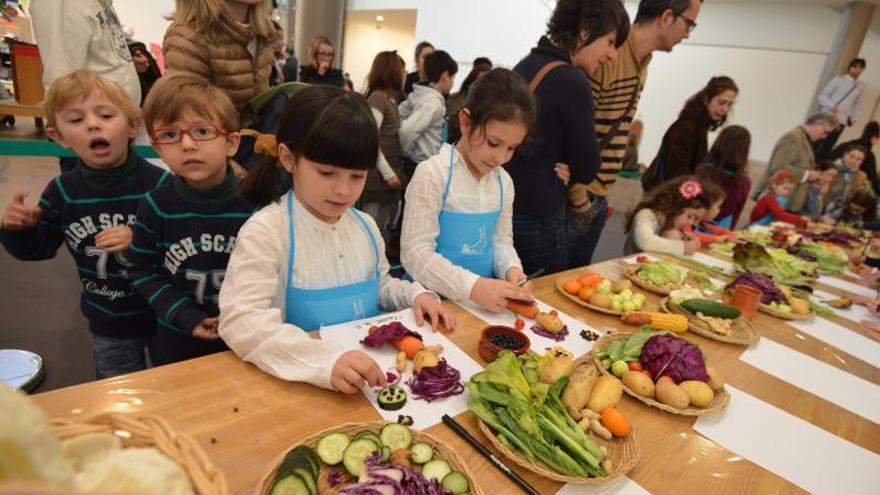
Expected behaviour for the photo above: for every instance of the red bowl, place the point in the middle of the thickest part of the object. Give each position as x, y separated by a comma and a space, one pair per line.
489, 351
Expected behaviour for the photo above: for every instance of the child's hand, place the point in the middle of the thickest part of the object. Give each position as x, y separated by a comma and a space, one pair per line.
352, 370
492, 294
691, 245
394, 182
207, 329
426, 304
18, 217
113, 239
563, 172
515, 275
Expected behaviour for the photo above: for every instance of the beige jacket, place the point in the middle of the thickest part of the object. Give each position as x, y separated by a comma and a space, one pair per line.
234, 60
794, 153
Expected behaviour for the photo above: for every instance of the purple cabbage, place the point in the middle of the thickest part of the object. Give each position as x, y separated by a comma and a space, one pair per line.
673, 357
436, 382
764, 283
558, 337
378, 336
391, 479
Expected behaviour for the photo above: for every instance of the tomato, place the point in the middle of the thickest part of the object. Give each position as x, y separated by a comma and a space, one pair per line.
519, 324
642, 259
635, 366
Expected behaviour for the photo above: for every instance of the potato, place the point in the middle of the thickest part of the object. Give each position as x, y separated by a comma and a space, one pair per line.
699, 393
671, 394
639, 383
799, 306
621, 285
580, 385
716, 383
601, 300
559, 367
606, 393
550, 322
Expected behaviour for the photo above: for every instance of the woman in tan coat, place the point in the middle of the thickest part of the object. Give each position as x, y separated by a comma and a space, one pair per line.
227, 42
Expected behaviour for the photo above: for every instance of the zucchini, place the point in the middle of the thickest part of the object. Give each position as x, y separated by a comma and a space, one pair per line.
395, 436
456, 482
711, 308
331, 447
436, 469
421, 453
391, 398
356, 454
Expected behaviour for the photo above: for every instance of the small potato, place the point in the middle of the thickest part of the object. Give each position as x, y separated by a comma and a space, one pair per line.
621, 285
671, 394
699, 393
715, 380
639, 383
606, 393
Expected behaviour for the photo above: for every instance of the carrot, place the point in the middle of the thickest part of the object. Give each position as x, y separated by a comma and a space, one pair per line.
525, 309
409, 345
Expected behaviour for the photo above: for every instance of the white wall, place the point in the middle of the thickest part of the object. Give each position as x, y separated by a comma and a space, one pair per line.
145, 18
362, 41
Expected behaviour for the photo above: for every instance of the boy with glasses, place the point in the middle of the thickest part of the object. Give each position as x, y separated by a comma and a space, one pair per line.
186, 230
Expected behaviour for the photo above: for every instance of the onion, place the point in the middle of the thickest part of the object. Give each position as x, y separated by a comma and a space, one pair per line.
436, 382
558, 337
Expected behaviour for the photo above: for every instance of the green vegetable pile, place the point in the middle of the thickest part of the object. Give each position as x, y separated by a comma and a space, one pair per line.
529, 417
627, 350
829, 258
777, 263
660, 273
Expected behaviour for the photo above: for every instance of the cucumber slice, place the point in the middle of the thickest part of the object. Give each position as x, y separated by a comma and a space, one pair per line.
368, 435
421, 453
386, 453
356, 454
436, 469
309, 480
395, 436
456, 483
391, 398
290, 485
302, 456
331, 447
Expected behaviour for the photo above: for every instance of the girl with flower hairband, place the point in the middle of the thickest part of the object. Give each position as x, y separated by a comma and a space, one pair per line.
658, 223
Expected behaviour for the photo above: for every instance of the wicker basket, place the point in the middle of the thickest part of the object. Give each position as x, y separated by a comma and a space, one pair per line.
624, 453
764, 308
718, 403
140, 430
629, 271
744, 331
324, 488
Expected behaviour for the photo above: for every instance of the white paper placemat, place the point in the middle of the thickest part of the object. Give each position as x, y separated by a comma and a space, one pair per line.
791, 448
842, 338
855, 313
623, 486
823, 380
713, 261
424, 414
847, 286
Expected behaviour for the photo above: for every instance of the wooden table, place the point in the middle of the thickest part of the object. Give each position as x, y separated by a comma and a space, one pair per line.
243, 417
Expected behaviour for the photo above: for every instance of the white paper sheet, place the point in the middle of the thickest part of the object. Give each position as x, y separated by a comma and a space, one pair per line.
847, 286
713, 261
424, 414
842, 338
820, 379
632, 259
574, 343
855, 313
623, 486
791, 448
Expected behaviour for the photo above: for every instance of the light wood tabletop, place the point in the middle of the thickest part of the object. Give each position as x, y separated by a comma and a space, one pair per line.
243, 417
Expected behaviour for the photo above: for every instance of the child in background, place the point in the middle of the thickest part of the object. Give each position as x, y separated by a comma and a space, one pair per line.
423, 113
851, 178
457, 230
186, 229
771, 207
91, 210
859, 208
310, 259
819, 195
705, 230
657, 223
728, 166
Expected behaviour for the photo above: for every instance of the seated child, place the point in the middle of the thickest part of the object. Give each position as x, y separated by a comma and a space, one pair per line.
771, 207
91, 209
819, 194
186, 229
706, 230
657, 223
309, 259
859, 208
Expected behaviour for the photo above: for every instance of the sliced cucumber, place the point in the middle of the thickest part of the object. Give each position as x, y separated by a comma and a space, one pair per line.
436, 469
302, 456
456, 483
391, 398
290, 485
421, 453
386, 453
307, 478
356, 454
331, 447
395, 436
368, 435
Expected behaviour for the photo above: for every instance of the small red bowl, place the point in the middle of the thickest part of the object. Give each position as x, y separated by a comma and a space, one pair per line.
489, 351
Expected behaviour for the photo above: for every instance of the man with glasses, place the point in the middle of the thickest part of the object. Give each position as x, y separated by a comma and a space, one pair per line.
794, 153
659, 26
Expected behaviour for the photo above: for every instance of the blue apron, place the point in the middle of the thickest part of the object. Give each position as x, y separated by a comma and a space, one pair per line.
310, 309
768, 218
465, 239
725, 222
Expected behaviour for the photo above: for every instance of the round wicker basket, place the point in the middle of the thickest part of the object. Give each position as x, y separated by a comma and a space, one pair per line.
764, 308
718, 403
629, 271
744, 331
442, 451
560, 285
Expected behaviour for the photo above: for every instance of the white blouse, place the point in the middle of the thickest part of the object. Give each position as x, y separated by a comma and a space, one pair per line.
252, 298
421, 227
645, 236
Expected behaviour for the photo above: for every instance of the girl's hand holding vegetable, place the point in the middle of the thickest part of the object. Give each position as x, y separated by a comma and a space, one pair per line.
492, 294
427, 304
352, 370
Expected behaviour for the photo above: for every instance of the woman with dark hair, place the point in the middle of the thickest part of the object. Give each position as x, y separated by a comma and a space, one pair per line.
455, 102
320, 69
686, 141
423, 49
870, 137
147, 69
728, 168
582, 35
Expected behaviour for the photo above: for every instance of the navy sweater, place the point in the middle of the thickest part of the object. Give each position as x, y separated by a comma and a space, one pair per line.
565, 133
182, 242
77, 205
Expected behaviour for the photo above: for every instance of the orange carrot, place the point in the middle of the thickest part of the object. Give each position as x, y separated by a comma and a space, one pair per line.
523, 308
409, 345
